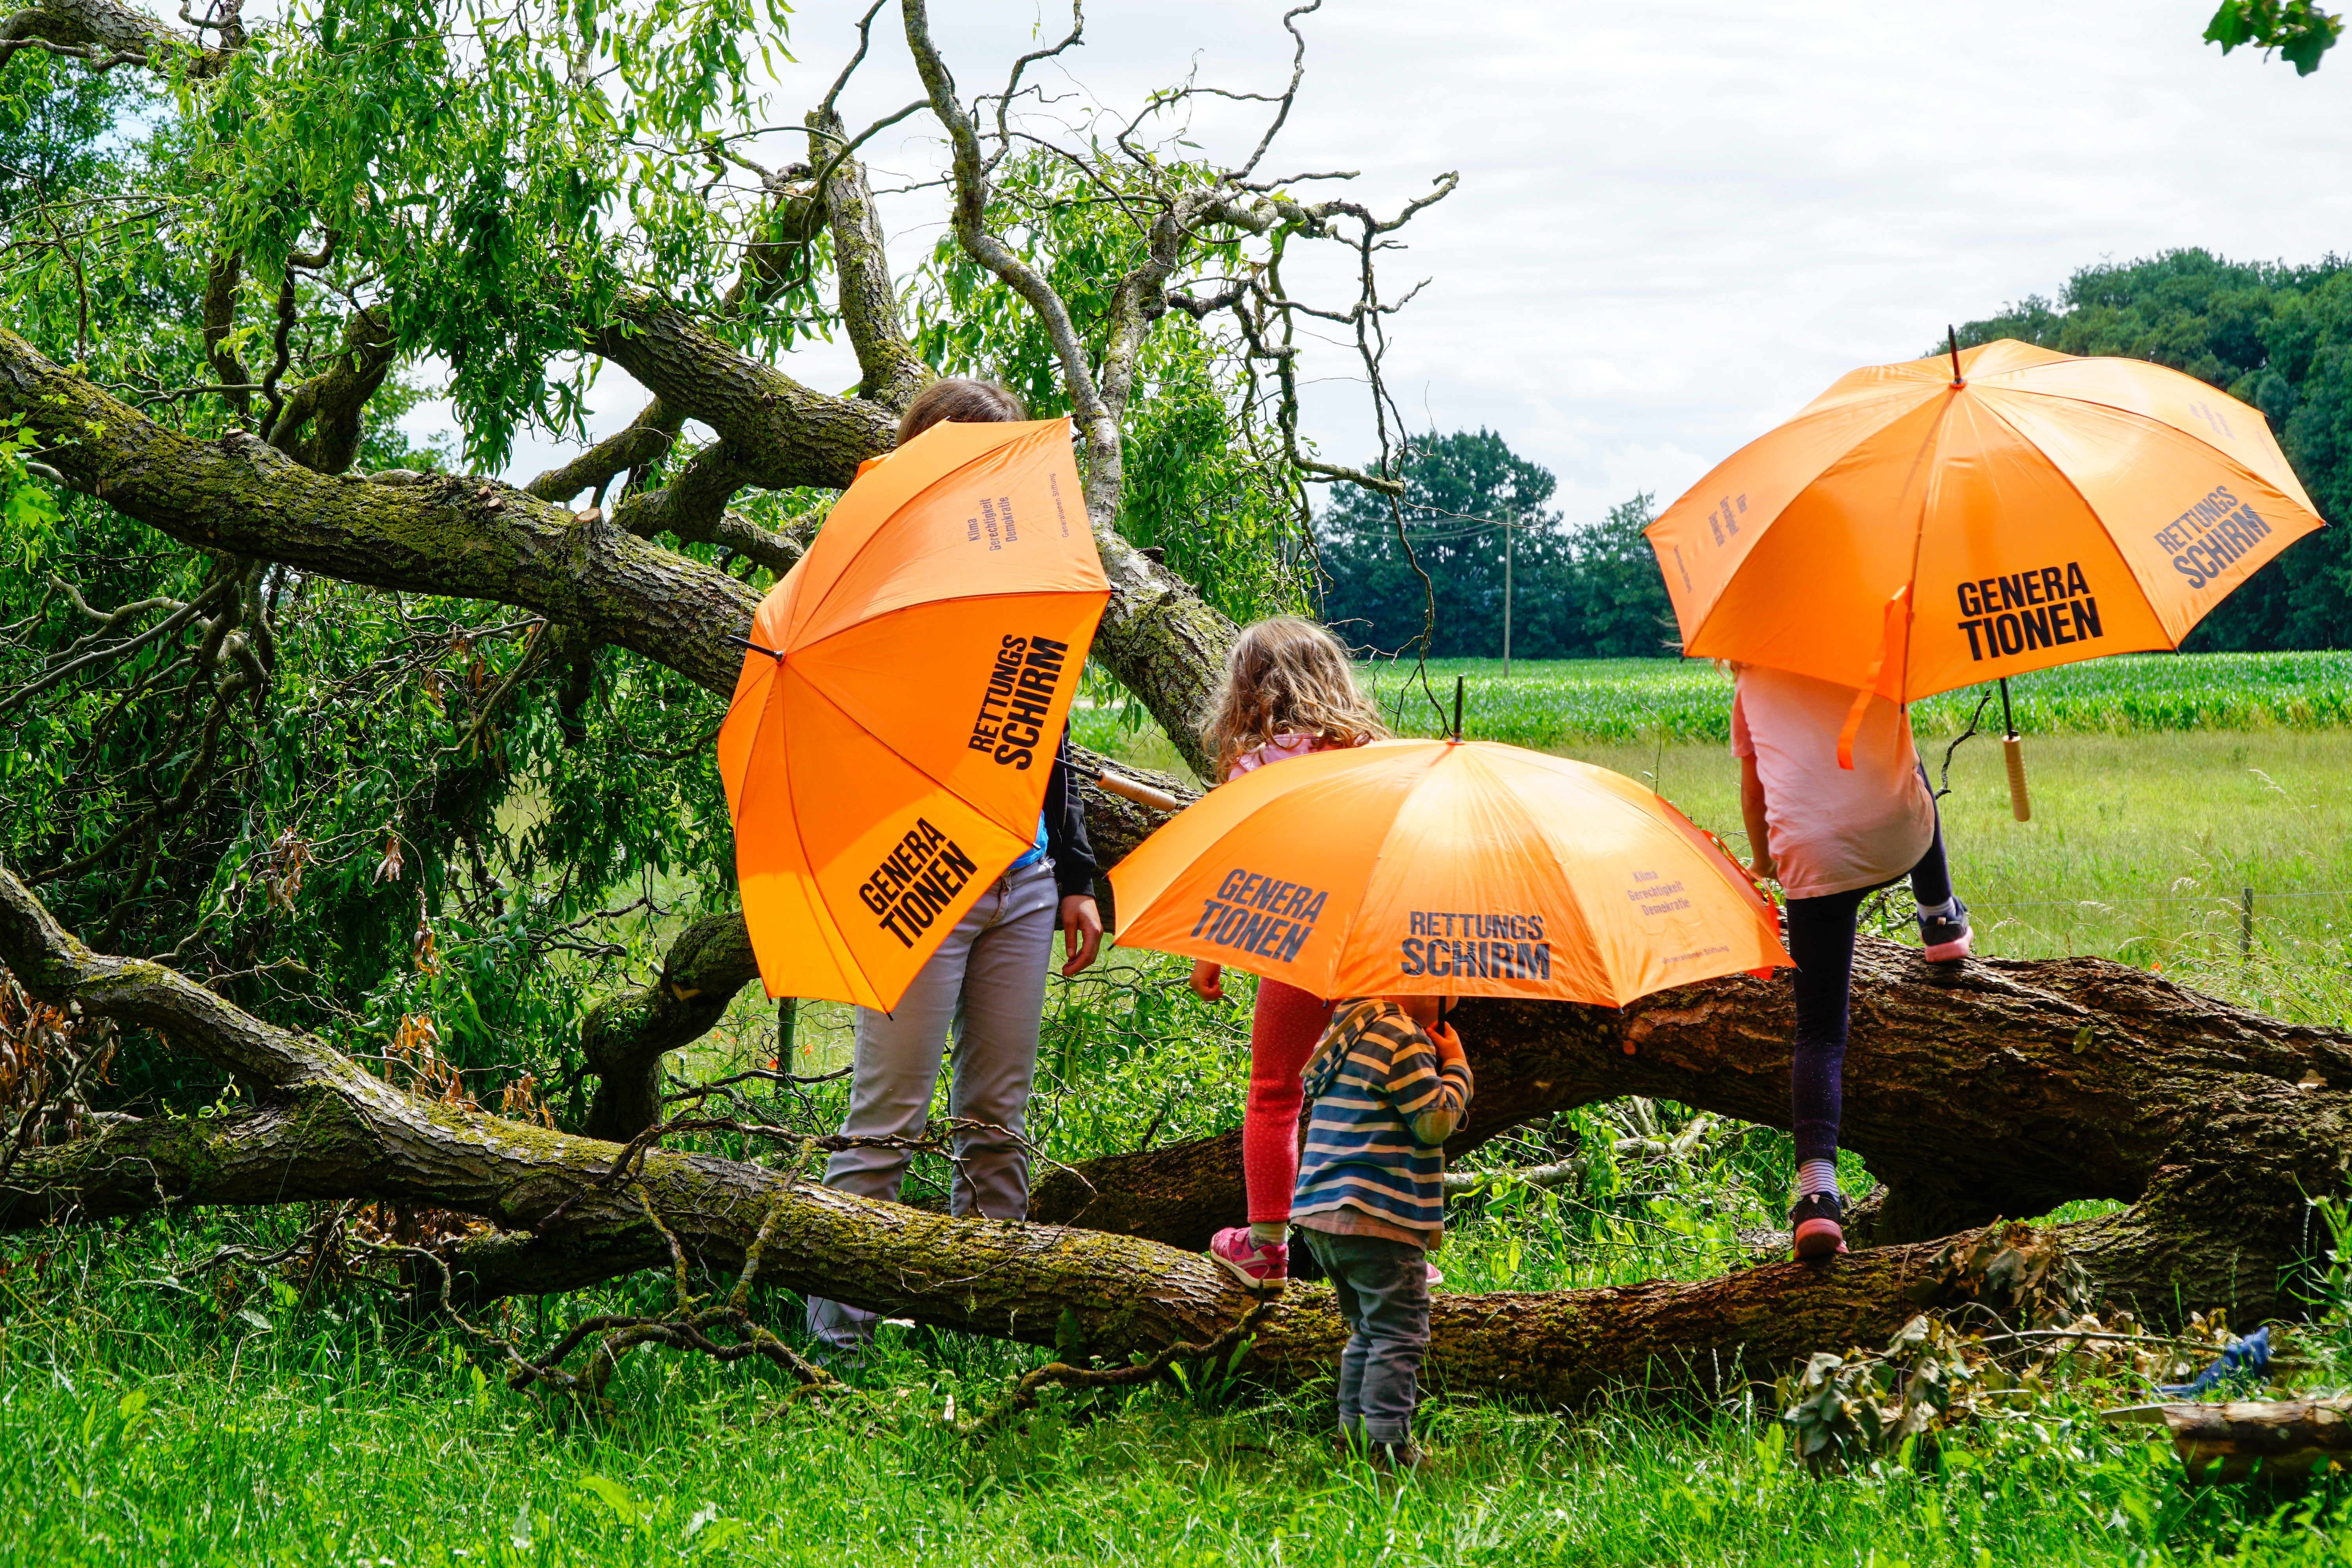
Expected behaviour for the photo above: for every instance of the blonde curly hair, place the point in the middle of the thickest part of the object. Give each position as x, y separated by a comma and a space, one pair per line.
1286, 676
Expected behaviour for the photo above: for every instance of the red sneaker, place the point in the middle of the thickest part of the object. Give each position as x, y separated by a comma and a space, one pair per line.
1258, 1267
1818, 1220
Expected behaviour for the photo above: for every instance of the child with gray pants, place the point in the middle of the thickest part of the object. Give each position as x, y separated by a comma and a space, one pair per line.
986, 982
1390, 1086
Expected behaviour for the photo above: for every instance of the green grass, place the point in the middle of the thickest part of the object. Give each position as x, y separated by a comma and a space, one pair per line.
144, 1424
211, 1419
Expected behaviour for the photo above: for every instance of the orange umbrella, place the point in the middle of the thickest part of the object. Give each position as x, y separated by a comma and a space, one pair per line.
1446, 867
887, 751
1970, 517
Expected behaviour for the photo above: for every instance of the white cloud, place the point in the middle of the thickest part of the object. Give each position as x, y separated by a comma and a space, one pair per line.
1678, 222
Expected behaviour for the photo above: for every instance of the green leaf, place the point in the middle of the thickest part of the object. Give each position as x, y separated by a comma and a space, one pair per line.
617, 1497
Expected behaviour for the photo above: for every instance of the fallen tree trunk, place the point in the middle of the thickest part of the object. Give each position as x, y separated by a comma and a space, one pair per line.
1974, 1091
326, 1130
323, 1129
2289, 1441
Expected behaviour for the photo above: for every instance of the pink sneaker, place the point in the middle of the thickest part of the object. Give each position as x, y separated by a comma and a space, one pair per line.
1258, 1267
1945, 939
1816, 1223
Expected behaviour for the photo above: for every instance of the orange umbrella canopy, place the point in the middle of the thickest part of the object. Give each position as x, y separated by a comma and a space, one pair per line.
887, 751
1446, 867
1948, 521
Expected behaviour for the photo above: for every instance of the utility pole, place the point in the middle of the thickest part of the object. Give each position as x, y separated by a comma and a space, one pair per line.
1509, 546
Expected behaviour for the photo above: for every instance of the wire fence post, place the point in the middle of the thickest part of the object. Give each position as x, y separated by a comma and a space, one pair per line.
2246, 923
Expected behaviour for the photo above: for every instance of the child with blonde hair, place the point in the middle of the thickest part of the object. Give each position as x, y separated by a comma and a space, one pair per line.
1289, 690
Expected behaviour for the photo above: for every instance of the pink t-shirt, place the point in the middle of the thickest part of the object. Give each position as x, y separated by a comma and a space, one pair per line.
1281, 749
1833, 829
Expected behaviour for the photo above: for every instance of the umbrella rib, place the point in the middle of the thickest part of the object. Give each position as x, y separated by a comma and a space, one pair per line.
1379, 858
1920, 528
2160, 424
1699, 630
1571, 889
844, 956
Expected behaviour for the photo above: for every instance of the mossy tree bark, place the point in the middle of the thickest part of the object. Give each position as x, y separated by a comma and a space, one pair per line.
1975, 1091
322, 1129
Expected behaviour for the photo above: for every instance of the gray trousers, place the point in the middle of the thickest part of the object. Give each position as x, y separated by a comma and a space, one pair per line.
987, 982
1383, 1289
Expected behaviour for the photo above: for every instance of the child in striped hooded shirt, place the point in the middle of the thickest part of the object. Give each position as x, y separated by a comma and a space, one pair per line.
1390, 1086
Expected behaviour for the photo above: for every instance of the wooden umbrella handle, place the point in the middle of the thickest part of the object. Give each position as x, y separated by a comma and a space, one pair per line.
1138, 792
2020, 806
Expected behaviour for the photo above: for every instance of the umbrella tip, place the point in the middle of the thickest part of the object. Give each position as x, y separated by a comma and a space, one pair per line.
1952, 338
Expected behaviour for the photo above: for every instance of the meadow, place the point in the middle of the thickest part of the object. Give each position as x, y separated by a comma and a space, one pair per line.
1559, 702
152, 1409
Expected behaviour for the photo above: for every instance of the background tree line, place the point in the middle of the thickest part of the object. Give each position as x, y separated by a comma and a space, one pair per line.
1590, 592
2275, 336
2272, 335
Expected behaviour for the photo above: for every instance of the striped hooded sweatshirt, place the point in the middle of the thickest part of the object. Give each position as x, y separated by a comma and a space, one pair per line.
1383, 1107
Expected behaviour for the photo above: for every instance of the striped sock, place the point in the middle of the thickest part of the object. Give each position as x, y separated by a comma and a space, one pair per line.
1817, 1177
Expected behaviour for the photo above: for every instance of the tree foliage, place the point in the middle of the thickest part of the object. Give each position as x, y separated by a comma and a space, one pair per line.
412, 756
2297, 29
1208, 483
2275, 336
1576, 592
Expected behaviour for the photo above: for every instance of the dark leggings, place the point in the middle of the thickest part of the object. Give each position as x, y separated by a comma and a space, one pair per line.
1821, 939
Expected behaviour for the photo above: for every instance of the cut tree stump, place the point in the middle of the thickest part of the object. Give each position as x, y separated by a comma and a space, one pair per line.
2291, 1441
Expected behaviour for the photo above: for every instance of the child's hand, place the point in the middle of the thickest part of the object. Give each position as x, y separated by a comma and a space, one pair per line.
1208, 984
1448, 1043
1081, 931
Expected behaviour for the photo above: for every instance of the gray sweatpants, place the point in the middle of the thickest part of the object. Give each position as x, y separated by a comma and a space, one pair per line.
988, 981
1383, 1289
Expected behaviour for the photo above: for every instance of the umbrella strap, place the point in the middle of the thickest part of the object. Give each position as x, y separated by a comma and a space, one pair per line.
1888, 639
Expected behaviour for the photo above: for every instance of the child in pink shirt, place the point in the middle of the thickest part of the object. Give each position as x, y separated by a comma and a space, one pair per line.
1289, 690
1834, 835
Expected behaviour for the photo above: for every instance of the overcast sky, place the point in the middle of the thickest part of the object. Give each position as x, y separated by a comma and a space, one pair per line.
1678, 222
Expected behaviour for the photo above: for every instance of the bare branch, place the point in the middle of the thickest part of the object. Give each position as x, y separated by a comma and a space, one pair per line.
645, 439
893, 371
1020, 67
824, 110
1289, 94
